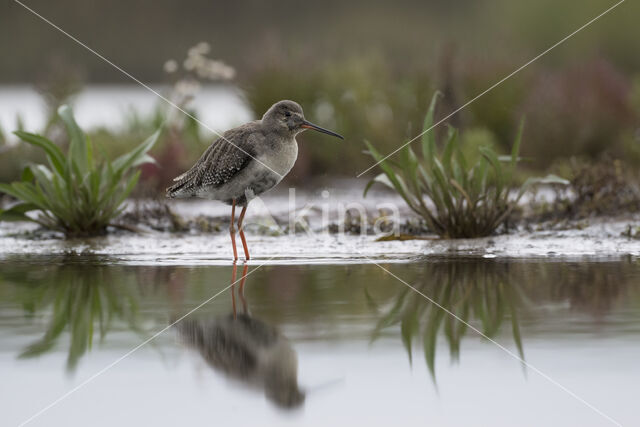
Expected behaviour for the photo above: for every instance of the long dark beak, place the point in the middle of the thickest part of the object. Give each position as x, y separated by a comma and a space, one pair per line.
308, 125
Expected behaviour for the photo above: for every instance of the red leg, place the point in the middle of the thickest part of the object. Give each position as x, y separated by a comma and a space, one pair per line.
241, 288
233, 292
241, 231
232, 230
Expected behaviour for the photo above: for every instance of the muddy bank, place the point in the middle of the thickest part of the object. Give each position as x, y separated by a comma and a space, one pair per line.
601, 238
330, 224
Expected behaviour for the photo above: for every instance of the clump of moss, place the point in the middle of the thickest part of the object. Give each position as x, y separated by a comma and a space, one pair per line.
605, 187
381, 223
156, 214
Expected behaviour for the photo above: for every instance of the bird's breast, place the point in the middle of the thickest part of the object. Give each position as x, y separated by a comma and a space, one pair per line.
280, 158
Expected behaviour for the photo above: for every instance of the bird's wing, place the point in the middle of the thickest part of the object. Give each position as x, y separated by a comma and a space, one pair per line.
225, 162
219, 163
220, 345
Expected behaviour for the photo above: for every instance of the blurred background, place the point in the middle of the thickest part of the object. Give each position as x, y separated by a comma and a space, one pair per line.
366, 69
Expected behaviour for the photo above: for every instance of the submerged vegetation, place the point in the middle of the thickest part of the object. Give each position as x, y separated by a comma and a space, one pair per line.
464, 199
79, 193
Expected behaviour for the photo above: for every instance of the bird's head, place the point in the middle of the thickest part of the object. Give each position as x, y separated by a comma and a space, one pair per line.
287, 117
281, 387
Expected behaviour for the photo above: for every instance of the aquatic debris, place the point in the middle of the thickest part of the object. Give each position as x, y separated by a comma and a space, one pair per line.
403, 237
632, 232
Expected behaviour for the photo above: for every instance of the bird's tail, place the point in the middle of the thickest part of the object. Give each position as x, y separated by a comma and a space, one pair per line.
178, 190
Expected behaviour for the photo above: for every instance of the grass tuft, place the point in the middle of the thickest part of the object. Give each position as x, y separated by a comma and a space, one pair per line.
457, 199
78, 193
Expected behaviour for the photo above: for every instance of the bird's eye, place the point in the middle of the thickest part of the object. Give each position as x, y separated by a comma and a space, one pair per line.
287, 113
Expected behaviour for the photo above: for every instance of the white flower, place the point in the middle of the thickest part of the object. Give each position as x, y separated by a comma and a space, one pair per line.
171, 66
187, 87
189, 64
204, 67
203, 48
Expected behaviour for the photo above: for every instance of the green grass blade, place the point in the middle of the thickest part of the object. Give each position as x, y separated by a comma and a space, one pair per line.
78, 145
515, 150
136, 156
388, 170
449, 148
428, 136
382, 179
18, 212
54, 154
491, 156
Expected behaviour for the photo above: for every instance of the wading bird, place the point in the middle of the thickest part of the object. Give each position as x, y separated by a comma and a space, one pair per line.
247, 161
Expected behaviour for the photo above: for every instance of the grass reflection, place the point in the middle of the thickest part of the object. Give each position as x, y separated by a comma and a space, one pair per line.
478, 293
72, 304
85, 302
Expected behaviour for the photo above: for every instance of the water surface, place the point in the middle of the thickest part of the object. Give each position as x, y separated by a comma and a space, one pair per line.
219, 107
320, 344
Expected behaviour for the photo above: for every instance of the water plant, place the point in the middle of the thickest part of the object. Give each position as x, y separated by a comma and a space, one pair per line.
79, 193
456, 199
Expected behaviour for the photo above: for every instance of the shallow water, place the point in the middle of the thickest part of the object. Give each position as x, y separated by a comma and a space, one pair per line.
219, 107
369, 350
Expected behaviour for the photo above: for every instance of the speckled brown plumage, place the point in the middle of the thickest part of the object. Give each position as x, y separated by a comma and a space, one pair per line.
224, 159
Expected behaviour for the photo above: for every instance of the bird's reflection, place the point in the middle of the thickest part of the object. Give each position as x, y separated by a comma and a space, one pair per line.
246, 349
